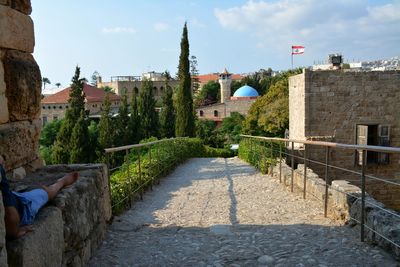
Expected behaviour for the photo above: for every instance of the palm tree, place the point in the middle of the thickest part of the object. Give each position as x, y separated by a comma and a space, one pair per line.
45, 81
58, 85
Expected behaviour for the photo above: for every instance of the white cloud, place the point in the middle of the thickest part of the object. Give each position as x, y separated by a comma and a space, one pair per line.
320, 23
119, 30
161, 26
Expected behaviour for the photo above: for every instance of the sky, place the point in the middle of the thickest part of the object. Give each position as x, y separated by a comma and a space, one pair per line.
129, 37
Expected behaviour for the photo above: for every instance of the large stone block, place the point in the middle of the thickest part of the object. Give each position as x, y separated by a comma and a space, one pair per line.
23, 85
16, 29
42, 247
19, 141
23, 6
3, 98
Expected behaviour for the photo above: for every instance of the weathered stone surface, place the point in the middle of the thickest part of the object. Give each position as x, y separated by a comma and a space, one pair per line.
18, 174
23, 6
3, 250
42, 247
5, 2
20, 142
3, 98
16, 30
23, 85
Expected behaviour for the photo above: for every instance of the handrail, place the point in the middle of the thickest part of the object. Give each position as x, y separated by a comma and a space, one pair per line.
330, 144
121, 148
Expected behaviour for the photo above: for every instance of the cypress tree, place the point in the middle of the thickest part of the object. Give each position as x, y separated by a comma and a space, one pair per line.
106, 136
122, 135
79, 144
134, 121
148, 116
61, 149
184, 102
167, 116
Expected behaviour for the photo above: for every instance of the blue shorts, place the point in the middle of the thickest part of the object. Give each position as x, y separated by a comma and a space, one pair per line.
31, 201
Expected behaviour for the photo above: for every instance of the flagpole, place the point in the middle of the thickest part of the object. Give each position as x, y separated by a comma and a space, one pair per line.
292, 60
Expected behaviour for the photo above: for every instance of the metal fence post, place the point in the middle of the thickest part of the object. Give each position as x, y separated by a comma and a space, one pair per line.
305, 172
152, 178
140, 173
280, 162
129, 178
364, 163
292, 163
327, 149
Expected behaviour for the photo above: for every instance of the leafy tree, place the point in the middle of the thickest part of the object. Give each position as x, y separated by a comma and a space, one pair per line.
106, 129
45, 81
79, 143
49, 133
184, 102
93, 131
209, 93
134, 121
148, 116
194, 73
231, 128
269, 114
58, 85
121, 130
107, 89
167, 117
61, 150
94, 77
206, 130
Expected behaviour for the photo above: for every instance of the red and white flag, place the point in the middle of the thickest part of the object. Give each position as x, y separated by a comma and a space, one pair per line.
297, 49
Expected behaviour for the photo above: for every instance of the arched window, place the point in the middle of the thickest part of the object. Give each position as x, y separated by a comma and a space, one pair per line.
201, 113
215, 113
161, 89
136, 90
155, 90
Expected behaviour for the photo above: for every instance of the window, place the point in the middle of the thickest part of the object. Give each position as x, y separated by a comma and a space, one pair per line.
55, 117
373, 135
54, 107
44, 107
201, 113
155, 90
136, 90
44, 120
215, 113
60, 107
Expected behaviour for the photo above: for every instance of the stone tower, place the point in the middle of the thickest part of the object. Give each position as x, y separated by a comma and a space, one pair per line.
225, 83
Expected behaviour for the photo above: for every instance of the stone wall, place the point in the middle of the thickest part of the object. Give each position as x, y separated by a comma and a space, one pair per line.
20, 85
343, 204
225, 109
68, 230
20, 89
334, 103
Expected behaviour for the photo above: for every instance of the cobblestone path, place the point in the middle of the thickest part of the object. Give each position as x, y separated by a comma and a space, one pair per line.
222, 212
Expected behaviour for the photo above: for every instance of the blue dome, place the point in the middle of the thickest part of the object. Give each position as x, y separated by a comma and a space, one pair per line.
246, 91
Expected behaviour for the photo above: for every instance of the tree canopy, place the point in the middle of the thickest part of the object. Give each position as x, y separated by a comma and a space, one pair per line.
184, 102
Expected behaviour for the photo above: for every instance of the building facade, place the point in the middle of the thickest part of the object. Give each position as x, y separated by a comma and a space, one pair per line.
54, 107
351, 108
122, 85
240, 102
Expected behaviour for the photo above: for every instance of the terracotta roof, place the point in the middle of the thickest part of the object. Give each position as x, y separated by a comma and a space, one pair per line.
215, 76
92, 94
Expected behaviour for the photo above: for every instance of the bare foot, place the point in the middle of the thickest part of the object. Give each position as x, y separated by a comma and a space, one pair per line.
70, 178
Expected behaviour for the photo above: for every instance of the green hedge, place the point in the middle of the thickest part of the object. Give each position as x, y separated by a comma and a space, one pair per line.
156, 161
259, 153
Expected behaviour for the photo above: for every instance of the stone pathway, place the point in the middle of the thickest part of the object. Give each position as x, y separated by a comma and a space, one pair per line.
222, 212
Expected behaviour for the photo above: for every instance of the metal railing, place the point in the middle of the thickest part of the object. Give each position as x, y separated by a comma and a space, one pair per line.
137, 179
328, 146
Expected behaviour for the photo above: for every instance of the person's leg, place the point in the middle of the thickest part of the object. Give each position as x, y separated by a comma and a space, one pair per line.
67, 180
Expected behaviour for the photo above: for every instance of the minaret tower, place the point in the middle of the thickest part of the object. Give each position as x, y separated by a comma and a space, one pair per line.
225, 83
